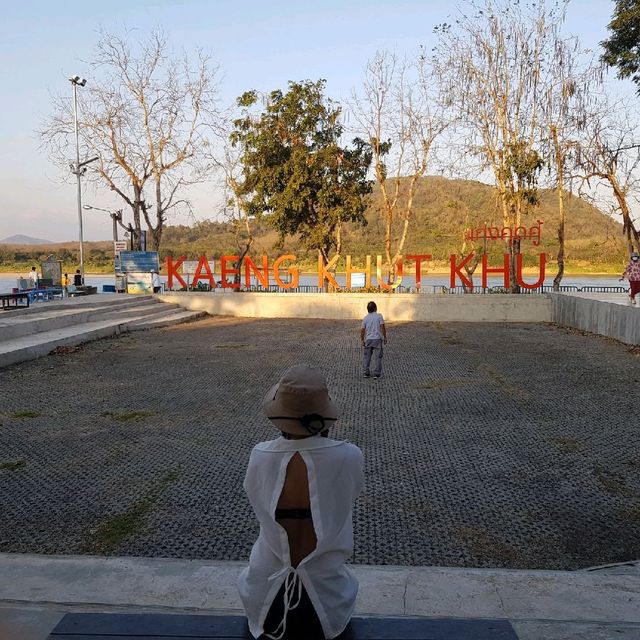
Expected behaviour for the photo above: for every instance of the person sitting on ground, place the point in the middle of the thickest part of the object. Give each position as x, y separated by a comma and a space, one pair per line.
302, 487
632, 273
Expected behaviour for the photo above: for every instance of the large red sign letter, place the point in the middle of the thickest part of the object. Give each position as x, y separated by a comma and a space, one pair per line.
292, 271
504, 270
419, 258
324, 273
541, 272
227, 271
172, 271
350, 270
455, 270
203, 265
263, 277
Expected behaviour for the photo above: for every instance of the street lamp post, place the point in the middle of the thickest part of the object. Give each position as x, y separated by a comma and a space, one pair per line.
77, 81
116, 216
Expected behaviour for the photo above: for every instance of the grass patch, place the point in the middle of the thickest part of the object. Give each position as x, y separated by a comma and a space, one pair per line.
23, 415
631, 515
612, 483
566, 444
12, 465
443, 383
116, 529
487, 548
505, 385
128, 416
231, 345
113, 531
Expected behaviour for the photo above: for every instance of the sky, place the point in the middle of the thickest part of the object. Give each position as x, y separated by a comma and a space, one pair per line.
258, 45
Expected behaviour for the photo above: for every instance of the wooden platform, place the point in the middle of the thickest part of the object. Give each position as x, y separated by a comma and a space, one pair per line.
109, 626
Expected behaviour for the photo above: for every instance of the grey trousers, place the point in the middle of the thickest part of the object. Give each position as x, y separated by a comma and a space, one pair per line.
372, 348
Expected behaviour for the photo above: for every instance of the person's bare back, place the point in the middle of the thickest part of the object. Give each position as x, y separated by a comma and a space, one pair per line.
295, 495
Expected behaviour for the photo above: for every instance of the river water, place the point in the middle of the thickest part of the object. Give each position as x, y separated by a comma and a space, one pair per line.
428, 281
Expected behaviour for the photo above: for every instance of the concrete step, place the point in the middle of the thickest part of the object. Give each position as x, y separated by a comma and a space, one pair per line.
166, 319
540, 605
148, 310
29, 337
83, 302
40, 344
27, 323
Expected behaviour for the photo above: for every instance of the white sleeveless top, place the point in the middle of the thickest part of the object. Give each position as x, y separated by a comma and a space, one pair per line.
334, 469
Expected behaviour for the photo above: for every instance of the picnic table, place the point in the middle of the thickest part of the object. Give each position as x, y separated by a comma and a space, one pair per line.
43, 295
14, 301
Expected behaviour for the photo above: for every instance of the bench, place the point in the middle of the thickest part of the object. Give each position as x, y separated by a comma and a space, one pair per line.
14, 301
130, 626
44, 295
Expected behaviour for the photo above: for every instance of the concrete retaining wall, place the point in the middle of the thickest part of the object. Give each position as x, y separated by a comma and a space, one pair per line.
395, 307
596, 316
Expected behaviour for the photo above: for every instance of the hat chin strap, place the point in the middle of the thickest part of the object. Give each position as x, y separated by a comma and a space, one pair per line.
307, 420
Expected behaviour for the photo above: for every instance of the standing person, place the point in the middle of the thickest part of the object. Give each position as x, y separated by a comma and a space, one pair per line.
77, 278
65, 283
632, 273
372, 335
155, 282
302, 487
33, 278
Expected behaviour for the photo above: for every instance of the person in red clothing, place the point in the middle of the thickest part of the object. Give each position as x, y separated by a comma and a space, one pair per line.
632, 273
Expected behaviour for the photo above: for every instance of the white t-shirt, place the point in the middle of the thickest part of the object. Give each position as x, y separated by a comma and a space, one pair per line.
334, 469
371, 324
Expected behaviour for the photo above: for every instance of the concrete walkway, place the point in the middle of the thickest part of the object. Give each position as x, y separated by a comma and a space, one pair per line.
37, 590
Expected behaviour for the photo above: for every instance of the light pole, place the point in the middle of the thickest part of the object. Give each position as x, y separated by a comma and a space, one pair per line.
77, 81
116, 216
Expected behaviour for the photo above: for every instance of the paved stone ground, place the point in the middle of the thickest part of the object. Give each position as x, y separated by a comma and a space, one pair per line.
485, 445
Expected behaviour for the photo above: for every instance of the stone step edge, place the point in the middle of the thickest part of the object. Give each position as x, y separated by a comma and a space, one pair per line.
78, 303
44, 344
210, 586
26, 325
177, 317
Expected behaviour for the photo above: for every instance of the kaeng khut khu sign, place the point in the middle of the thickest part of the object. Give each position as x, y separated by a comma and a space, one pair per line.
286, 274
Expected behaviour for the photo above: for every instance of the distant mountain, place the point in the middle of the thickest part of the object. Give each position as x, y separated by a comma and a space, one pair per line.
20, 239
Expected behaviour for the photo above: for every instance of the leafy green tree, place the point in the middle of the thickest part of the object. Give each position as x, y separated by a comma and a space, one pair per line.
295, 169
622, 49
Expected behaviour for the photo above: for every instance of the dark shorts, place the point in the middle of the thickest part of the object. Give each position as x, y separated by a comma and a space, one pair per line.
635, 287
302, 622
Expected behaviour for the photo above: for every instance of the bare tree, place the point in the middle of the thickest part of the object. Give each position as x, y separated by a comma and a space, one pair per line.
568, 87
609, 159
228, 161
143, 116
398, 112
491, 65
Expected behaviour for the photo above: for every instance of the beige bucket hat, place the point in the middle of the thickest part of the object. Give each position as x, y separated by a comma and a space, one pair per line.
299, 403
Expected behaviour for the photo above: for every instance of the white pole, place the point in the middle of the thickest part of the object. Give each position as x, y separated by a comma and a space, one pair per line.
77, 172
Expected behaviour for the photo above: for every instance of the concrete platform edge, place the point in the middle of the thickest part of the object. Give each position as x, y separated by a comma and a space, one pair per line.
210, 586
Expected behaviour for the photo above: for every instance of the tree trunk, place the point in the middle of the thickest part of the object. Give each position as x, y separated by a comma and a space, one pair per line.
561, 223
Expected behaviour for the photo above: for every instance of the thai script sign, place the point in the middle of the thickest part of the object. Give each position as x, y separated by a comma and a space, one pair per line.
506, 233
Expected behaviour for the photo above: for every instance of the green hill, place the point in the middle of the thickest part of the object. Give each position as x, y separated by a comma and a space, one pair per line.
443, 209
